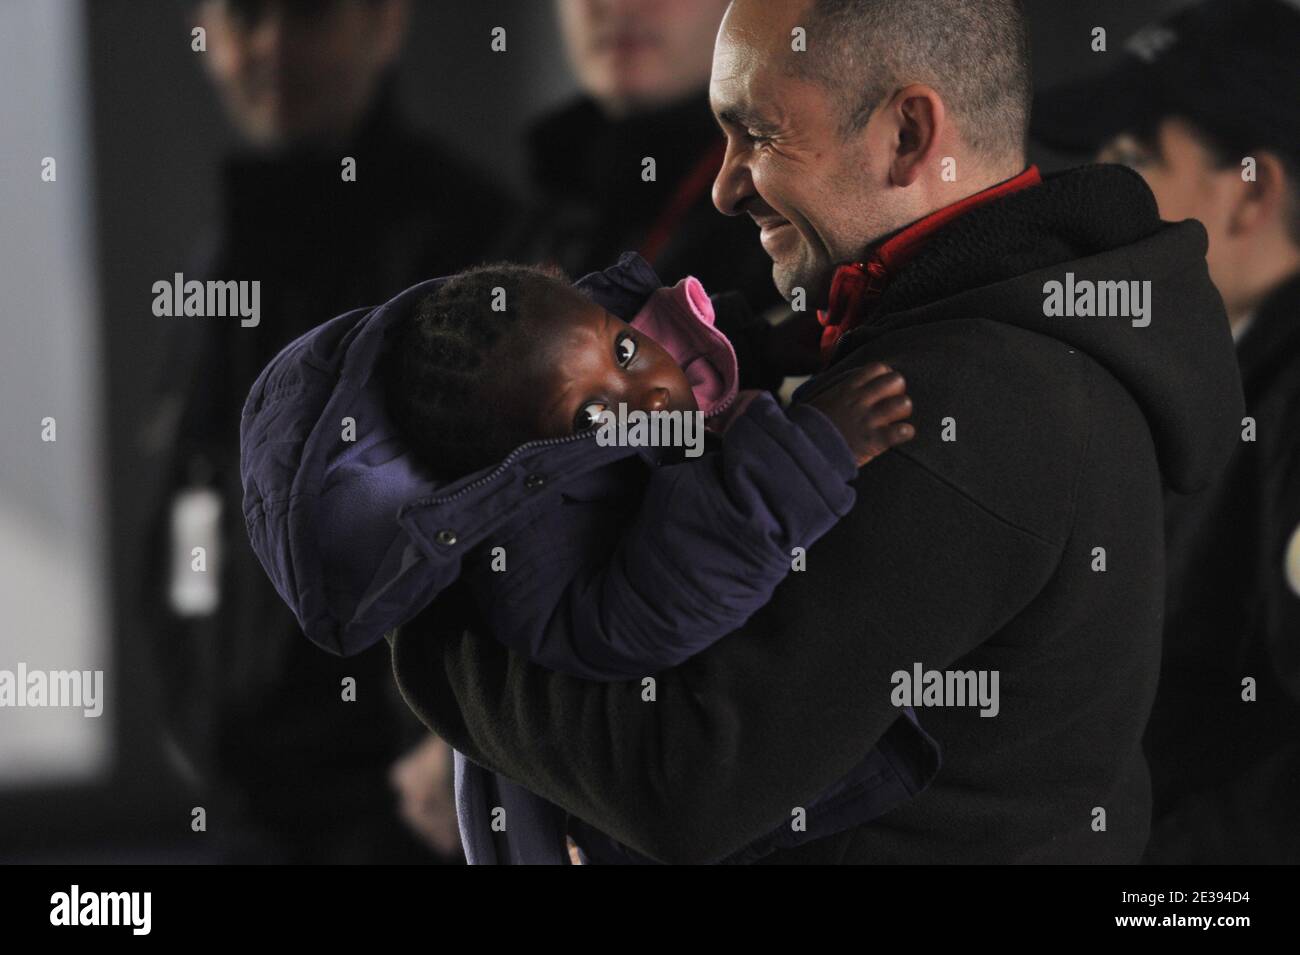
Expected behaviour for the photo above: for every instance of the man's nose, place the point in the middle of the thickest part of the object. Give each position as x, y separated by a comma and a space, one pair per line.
656, 399
733, 185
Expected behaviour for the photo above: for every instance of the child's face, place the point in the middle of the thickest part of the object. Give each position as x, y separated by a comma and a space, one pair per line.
586, 361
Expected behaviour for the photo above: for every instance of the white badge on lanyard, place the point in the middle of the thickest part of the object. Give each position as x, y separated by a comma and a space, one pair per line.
195, 589
1291, 563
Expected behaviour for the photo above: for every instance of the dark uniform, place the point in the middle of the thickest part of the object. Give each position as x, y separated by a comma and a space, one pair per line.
592, 202
290, 771
1226, 771
1223, 741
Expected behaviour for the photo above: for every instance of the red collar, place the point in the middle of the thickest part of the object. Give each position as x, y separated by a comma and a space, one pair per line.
856, 286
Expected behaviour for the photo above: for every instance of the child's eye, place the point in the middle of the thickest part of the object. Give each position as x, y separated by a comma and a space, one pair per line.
589, 416
624, 349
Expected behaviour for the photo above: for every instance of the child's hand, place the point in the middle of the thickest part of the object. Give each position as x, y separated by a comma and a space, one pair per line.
868, 408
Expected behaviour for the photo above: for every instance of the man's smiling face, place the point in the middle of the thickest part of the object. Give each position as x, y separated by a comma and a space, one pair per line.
787, 164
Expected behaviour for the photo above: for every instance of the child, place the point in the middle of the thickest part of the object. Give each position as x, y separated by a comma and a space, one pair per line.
609, 563
468, 383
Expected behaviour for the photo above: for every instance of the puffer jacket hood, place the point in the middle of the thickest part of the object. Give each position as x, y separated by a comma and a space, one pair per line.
343, 519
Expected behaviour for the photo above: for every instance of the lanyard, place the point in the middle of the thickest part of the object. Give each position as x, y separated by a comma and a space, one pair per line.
690, 189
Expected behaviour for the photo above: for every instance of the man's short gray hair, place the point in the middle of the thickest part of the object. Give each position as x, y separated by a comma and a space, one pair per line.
974, 53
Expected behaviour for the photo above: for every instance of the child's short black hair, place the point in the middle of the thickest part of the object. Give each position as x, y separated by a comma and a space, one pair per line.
436, 370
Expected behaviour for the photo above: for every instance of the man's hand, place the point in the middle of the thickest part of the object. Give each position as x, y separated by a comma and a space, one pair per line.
423, 779
868, 407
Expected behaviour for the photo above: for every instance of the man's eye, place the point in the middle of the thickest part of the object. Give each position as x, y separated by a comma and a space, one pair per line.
624, 350
588, 416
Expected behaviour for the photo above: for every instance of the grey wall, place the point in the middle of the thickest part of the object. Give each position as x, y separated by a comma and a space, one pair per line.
52, 500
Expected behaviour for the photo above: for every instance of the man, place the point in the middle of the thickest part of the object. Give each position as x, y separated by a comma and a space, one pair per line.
643, 69
295, 762
1205, 106
1015, 543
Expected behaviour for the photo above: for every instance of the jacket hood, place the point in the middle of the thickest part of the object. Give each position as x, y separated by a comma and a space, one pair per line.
353, 533
1032, 258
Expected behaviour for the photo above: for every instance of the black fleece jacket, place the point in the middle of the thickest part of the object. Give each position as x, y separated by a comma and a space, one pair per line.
979, 553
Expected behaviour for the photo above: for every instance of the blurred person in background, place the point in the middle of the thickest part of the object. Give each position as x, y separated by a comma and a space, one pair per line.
256, 716
1206, 107
643, 69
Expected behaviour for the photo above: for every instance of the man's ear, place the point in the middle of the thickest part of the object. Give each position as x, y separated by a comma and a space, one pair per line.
918, 120
1264, 200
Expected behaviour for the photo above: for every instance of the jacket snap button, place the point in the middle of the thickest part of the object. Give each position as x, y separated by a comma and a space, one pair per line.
446, 537
534, 480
